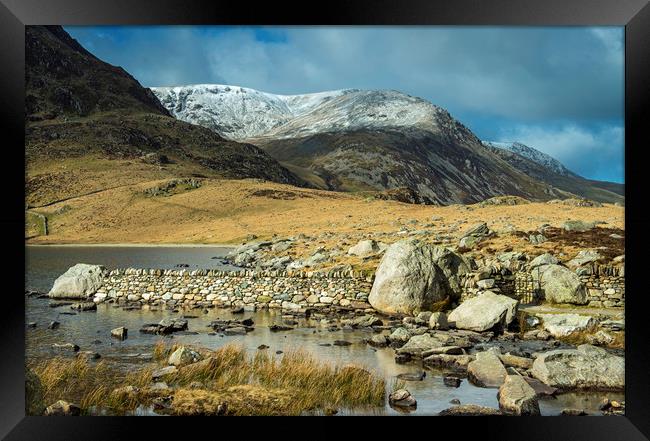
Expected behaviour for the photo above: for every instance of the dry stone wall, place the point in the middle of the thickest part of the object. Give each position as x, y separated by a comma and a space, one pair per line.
206, 288
605, 285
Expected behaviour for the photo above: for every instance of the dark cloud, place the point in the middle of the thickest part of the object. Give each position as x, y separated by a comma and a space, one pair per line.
531, 83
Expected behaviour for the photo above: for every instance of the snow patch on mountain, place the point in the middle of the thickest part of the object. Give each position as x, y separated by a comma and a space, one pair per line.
532, 154
241, 113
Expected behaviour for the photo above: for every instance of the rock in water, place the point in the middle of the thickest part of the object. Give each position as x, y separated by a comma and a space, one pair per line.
469, 410
587, 367
560, 285
516, 397
484, 312
378, 341
410, 277
487, 370
79, 282
402, 398
120, 333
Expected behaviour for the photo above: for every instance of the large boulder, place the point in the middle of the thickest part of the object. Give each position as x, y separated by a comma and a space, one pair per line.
79, 282
560, 285
517, 397
414, 276
484, 312
486, 370
561, 325
586, 367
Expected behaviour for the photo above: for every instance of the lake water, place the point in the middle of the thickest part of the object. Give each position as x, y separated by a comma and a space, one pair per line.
91, 330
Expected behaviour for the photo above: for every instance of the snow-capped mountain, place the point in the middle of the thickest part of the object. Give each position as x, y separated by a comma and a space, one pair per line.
238, 112
241, 113
369, 140
532, 154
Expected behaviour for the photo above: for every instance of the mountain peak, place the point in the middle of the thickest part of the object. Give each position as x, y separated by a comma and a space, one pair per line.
241, 113
533, 154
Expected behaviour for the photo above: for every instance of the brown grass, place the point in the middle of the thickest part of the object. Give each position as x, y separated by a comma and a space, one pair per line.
259, 385
226, 211
304, 382
87, 384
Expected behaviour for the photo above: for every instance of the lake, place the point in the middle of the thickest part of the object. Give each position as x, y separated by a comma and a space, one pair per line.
91, 330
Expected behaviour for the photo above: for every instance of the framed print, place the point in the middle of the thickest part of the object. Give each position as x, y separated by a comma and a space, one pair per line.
367, 209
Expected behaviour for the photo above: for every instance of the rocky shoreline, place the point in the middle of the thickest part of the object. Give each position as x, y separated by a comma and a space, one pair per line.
529, 327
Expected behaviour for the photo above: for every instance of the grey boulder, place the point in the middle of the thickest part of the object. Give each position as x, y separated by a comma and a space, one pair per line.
486, 370
484, 312
560, 285
517, 397
414, 276
586, 367
80, 281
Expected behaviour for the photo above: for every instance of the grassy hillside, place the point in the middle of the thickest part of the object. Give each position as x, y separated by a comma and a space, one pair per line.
227, 211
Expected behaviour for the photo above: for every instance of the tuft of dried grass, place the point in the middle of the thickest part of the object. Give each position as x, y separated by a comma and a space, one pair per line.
263, 384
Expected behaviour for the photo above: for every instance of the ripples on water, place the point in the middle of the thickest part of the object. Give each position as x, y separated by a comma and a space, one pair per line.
91, 330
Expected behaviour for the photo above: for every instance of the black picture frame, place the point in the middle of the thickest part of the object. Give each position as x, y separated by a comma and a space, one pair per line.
15, 14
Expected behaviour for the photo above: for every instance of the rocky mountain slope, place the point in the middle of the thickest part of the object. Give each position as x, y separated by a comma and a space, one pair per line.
369, 140
549, 170
359, 140
82, 110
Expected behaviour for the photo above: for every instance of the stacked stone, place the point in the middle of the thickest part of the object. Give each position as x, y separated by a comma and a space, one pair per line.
474, 283
605, 291
208, 288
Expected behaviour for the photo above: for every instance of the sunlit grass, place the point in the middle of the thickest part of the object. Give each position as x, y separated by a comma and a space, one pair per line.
261, 384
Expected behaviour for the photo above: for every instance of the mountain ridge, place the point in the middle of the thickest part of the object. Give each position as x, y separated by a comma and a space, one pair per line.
348, 140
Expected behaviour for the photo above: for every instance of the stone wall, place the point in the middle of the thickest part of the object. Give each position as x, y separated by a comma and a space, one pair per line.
605, 285
251, 289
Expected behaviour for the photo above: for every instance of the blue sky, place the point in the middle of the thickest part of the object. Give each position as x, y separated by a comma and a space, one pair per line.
558, 89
